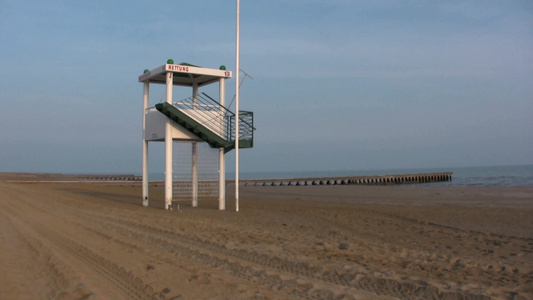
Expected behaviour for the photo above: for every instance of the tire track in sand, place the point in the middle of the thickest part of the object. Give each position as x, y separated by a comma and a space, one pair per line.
296, 277
257, 267
132, 287
449, 264
27, 254
126, 283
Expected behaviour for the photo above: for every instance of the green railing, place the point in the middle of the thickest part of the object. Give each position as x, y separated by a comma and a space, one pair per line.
208, 119
246, 128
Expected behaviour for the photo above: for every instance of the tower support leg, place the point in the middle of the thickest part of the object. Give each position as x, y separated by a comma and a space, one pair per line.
221, 155
221, 180
146, 96
168, 148
194, 174
145, 174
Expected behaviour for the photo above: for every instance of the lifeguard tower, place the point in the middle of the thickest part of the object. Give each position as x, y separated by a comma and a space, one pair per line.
197, 119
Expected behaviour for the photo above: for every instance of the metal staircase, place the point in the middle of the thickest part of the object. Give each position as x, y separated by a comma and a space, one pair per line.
210, 121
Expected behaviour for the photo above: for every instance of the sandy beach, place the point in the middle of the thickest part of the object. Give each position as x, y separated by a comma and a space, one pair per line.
74, 240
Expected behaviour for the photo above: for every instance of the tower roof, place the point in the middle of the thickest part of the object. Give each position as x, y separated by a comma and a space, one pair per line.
185, 74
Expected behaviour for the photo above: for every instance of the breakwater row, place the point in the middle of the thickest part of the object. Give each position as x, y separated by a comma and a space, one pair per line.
110, 177
303, 181
360, 180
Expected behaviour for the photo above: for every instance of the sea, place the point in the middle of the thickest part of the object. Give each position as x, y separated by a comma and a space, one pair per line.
515, 175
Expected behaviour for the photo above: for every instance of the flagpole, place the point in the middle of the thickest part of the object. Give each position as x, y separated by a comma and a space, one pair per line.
237, 68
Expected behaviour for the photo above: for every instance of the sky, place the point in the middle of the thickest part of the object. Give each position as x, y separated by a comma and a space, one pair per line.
337, 84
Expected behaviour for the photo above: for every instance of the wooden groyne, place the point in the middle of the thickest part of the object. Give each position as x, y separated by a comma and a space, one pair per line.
111, 177
51, 177
303, 181
360, 180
